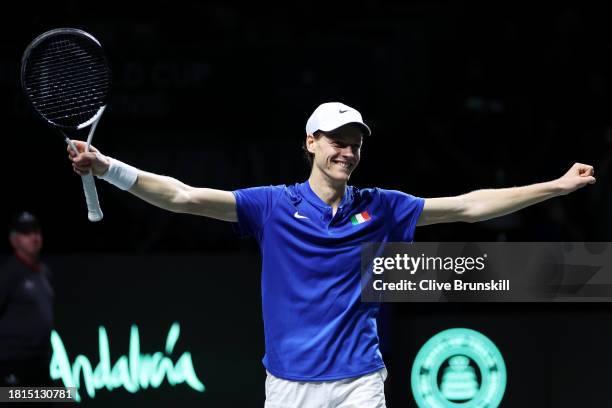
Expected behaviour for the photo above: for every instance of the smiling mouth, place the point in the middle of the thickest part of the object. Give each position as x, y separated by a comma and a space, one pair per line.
345, 165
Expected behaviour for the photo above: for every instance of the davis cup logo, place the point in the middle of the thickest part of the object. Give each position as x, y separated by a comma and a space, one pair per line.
458, 368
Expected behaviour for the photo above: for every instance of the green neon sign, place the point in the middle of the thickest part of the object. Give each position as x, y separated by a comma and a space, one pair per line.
133, 372
444, 373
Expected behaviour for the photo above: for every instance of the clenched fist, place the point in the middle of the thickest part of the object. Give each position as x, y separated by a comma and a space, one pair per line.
578, 176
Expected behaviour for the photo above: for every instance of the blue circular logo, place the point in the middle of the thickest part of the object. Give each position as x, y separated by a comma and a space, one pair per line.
458, 368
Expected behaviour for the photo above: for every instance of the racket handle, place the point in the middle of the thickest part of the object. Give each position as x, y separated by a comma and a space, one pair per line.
94, 212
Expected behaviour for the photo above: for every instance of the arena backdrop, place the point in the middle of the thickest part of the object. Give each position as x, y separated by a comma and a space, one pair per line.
458, 96
556, 355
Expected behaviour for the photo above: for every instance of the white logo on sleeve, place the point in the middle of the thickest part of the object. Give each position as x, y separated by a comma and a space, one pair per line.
296, 215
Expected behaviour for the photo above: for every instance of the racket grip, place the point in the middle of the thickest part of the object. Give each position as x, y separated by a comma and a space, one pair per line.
94, 212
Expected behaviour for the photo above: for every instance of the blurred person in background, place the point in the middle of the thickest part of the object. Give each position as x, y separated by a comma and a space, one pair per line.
26, 308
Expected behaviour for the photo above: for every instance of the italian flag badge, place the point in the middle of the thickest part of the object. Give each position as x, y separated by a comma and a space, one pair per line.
360, 218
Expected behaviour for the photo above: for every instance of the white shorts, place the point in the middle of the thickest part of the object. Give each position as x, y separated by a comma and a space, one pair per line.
367, 391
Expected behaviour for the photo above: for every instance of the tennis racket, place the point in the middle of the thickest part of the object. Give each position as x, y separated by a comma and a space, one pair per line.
66, 79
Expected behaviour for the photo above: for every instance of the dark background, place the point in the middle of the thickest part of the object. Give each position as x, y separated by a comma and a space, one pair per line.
458, 96
556, 355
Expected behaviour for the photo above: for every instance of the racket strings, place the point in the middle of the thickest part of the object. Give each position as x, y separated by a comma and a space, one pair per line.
77, 72
59, 76
47, 65
44, 95
67, 80
45, 98
59, 59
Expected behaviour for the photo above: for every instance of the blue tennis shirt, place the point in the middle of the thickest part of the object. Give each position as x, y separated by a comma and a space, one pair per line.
316, 327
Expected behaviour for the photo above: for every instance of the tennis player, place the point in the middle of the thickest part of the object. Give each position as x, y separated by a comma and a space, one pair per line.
321, 341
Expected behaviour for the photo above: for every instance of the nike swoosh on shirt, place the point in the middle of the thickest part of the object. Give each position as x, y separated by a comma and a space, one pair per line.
296, 215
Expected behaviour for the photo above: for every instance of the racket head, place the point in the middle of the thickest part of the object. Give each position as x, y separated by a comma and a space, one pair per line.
66, 78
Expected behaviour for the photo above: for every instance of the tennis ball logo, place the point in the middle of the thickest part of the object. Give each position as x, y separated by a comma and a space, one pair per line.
458, 368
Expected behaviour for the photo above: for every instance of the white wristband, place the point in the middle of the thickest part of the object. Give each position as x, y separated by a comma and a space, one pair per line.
120, 174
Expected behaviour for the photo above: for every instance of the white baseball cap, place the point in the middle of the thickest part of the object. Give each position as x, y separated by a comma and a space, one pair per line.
331, 115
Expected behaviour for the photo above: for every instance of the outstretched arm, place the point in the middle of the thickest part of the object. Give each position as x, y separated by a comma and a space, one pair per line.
485, 204
162, 191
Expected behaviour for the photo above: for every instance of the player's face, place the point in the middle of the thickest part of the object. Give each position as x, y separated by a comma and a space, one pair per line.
28, 243
337, 154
